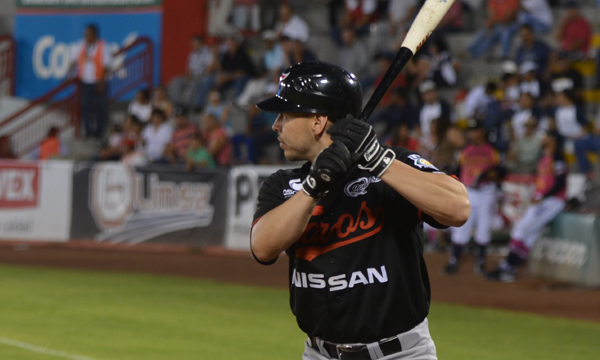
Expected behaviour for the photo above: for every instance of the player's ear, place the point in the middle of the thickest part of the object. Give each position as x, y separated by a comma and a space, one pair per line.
320, 124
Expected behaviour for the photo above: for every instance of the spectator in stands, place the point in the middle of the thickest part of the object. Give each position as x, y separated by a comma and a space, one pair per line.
523, 153
535, 13
113, 150
511, 91
291, 25
441, 66
161, 101
433, 108
354, 55
141, 106
527, 110
400, 14
217, 107
217, 141
447, 141
259, 135
219, 12
91, 59
269, 10
478, 99
201, 63
548, 201
6, 148
384, 60
569, 119
529, 81
570, 78
586, 145
358, 15
532, 50
132, 154
245, 15
299, 53
50, 147
574, 32
502, 15
156, 135
132, 129
401, 137
398, 110
176, 150
197, 154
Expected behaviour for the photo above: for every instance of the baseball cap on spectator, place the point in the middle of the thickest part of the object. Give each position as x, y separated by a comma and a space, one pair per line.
180, 111
426, 85
527, 66
509, 67
562, 84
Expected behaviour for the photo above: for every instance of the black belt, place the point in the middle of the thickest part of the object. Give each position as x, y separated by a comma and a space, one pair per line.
357, 352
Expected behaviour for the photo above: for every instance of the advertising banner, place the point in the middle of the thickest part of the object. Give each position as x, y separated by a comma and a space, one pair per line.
35, 200
244, 183
117, 204
47, 31
570, 250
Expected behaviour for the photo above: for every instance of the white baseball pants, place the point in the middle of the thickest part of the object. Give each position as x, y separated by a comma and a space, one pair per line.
483, 206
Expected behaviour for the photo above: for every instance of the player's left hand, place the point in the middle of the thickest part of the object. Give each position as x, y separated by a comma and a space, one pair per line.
361, 140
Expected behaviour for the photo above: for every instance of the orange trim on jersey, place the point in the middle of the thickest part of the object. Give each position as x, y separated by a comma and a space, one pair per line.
318, 210
420, 214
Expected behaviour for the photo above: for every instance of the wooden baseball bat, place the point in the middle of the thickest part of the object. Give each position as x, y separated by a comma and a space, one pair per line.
426, 21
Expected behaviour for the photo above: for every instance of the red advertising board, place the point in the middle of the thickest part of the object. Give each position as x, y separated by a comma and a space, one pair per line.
19, 185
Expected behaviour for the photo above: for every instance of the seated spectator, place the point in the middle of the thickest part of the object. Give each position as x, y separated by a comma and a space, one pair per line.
384, 60
141, 106
197, 154
291, 25
113, 150
358, 15
524, 152
478, 100
258, 136
299, 53
50, 147
217, 141
156, 135
245, 15
354, 55
401, 14
132, 129
201, 63
161, 101
535, 13
236, 69
401, 137
6, 148
527, 110
502, 15
217, 107
132, 154
399, 110
529, 81
532, 50
511, 91
219, 12
176, 150
586, 145
570, 78
569, 119
447, 140
574, 32
441, 66
433, 108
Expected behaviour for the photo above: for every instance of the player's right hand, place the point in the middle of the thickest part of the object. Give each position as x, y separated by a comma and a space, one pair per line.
328, 169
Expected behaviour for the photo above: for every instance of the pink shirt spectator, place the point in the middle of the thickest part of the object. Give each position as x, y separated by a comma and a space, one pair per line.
223, 158
181, 139
474, 160
547, 171
577, 29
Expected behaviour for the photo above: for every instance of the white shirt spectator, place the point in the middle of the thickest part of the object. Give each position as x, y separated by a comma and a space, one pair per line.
429, 112
539, 9
141, 111
566, 122
295, 28
156, 139
476, 102
399, 9
199, 61
368, 6
135, 158
518, 121
89, 70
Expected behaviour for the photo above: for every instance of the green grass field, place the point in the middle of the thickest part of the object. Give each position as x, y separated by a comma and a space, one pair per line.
90, 315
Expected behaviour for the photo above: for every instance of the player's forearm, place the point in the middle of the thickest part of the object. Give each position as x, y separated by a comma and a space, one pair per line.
281, 227
440, 196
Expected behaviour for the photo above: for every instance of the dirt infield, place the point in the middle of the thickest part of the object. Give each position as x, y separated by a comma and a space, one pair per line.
527, 294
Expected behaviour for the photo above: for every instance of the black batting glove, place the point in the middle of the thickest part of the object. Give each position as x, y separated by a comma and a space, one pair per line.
361, 140
328, 169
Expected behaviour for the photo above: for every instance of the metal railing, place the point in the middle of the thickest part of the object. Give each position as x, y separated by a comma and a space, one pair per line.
8, 59
60, 107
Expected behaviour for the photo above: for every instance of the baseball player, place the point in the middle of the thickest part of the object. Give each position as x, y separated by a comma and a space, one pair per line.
477, 164
350, 221
548, 201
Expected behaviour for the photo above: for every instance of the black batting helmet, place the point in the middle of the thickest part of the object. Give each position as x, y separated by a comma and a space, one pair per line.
316, 88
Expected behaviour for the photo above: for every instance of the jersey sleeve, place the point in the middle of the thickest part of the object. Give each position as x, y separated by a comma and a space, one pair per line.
270, 196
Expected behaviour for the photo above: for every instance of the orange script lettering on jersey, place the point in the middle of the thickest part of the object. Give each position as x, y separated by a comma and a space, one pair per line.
317, 238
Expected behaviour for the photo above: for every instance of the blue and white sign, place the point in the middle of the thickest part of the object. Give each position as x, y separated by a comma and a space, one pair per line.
44, 43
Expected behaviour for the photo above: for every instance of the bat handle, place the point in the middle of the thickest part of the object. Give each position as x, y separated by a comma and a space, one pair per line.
402, 57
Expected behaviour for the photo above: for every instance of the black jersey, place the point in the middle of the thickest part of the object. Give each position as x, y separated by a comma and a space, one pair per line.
357, 274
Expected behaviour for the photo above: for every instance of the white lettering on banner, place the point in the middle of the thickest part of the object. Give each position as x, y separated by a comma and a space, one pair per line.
18, 187
560, 252
338, 282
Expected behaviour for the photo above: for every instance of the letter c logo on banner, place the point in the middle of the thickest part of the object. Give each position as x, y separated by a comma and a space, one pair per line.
59, 58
